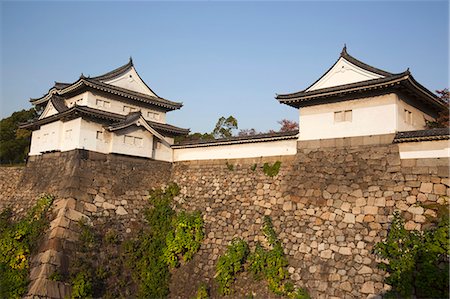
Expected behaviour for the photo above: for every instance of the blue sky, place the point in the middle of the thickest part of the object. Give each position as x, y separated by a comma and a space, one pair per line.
218, 58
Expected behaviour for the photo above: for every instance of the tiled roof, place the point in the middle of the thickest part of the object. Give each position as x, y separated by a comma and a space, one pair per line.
239, 139
422, 135
404, 81
58, 103
126, 93
116, 72
113, 119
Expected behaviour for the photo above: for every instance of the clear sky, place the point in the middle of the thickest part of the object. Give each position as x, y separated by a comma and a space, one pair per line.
218, 58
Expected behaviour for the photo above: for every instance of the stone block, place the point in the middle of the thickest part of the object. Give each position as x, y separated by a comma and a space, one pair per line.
372, 210
90, 207
440, 189
108, 206
380, 202
345, 251
326, 254
349, 218
368, 288
365, 270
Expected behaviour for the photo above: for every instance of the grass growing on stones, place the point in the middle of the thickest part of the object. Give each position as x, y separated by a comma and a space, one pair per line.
17, 242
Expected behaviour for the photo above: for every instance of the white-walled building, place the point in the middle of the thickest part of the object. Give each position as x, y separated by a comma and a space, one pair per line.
112, 113
355, 99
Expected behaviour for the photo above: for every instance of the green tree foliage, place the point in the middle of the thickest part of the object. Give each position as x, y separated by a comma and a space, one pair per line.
442, 121
15, 142
17, 242
224, 127
417, 262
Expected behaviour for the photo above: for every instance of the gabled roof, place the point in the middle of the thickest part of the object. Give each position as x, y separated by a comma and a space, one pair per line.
113, 120
422, 135
384, 82
116, 72
102, 83
94, 84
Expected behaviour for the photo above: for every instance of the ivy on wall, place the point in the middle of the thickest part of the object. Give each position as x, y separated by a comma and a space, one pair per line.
18, 239
417, 262
270, 264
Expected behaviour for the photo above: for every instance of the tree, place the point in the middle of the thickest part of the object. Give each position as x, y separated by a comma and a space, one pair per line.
224, 126
442, 121
288, 125
248, 132
15, 142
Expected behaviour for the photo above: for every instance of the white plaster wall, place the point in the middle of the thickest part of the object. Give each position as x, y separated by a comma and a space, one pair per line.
117, 107
80, 100
343, 72
370, 116
131, 80
418, 117
47, 138
424, 149
235, 151
70, 135
119, 146
48, 111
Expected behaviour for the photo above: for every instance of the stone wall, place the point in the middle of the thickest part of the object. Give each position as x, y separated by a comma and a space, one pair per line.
103, 185
329, 205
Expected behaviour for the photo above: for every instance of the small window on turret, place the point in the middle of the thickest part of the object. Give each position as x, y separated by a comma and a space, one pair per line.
408, 117
341, 116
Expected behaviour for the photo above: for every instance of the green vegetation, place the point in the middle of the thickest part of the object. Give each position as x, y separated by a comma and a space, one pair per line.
268, 264
230, 166
272, 264
202, 292
186, 238
15, 142
230, 264
17, 242
169, 237
272, 170
417, 262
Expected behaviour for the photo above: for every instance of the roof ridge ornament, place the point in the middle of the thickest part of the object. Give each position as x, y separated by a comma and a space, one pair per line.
344, 50
131, 60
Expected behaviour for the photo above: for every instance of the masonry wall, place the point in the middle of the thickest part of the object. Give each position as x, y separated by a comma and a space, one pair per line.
329, 205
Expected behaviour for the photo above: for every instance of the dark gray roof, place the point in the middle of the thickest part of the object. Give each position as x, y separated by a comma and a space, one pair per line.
116, 72
111, 119
240, 139
58, 103
422, 135
123, 92
404, 81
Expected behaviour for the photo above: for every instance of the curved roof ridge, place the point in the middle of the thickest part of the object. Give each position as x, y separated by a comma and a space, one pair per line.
116, 72
363, 65
344, 54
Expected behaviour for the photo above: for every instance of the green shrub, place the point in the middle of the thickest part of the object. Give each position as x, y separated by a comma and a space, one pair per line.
82, 286
230, 264
202, 292
186, 238
417, 262
271, 170
17, 242
272, 264
229, 166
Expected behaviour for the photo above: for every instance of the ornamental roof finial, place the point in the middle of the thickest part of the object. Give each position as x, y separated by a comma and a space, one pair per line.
82, 76
131, 60
344, 50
